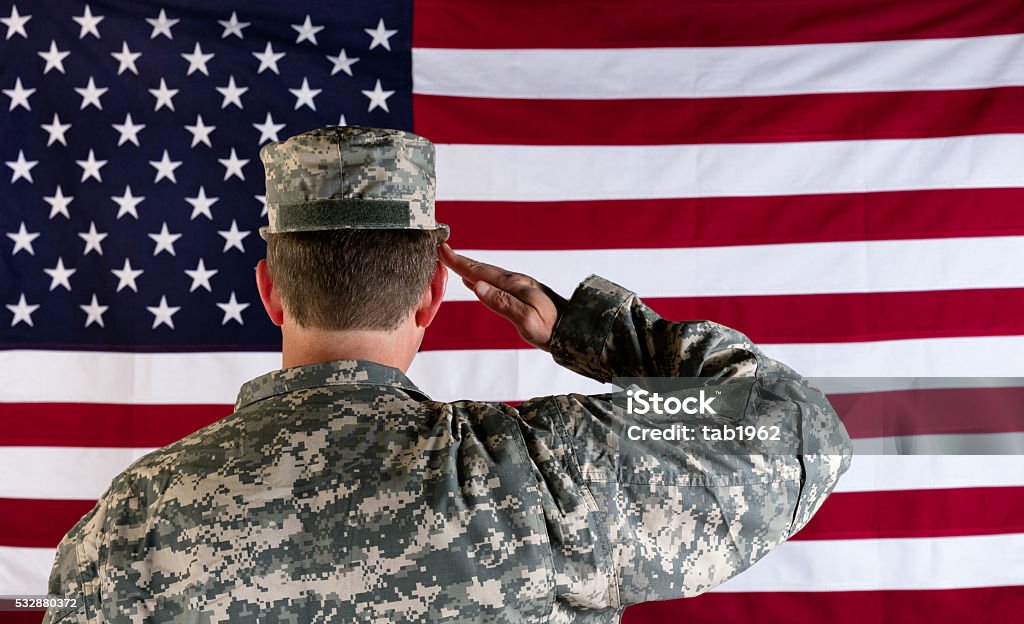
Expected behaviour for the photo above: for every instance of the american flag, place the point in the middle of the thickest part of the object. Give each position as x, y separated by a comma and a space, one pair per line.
842, 180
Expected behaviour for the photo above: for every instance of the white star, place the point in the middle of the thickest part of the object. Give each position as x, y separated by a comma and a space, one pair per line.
92, 239
163, 313
163, 96
161, 25
263, 200
127, 203
233, 26
342, 63
91, 94
54, 58
200, 132
16, 24
233, 237
22, 311
233, 165
91, 167
165, 168
232, 310
197, 60
268, 59
88, 22
304, 95
95, 312
268, 129
58, 203
378, 97
22, 168
232, 93
201, 276
19, 95
381, 35
23, 240
201, 204
126, 276
128, 130
59, 275
164, 240
126, 58
56, 131
341, 121
307, 31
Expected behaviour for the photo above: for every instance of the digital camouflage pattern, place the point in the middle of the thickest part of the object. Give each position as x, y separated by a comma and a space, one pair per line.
340, 492
350, 177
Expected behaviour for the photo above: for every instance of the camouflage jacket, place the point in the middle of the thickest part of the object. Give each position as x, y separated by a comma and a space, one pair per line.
340, 492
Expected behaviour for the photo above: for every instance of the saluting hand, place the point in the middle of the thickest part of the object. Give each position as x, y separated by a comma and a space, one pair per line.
532, 307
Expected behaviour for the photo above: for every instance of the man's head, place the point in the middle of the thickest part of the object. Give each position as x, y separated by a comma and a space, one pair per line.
343, 280
351, 269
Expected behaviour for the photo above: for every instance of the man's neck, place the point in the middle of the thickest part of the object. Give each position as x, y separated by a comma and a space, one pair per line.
302, 346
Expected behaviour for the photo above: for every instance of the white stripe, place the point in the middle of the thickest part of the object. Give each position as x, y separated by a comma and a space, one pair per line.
944, 444
138, 378
782, 269
985, 356
854, 385
874, 473
558, 172
25, 570
74, 473
797, 566
642, 73
898, 563
484, 375
63, 473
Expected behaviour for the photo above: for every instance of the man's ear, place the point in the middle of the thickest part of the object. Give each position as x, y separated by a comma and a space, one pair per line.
431, 299
269, 295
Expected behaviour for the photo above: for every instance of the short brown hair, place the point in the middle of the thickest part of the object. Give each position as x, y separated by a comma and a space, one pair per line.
351, 279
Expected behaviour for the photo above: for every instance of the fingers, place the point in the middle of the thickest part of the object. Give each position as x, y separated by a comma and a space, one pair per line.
529, 305
475, 271
502, 302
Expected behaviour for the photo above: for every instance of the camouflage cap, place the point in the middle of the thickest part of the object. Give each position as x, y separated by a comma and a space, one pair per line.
350, 177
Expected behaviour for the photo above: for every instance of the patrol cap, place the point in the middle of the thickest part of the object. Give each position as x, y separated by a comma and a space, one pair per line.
342, 177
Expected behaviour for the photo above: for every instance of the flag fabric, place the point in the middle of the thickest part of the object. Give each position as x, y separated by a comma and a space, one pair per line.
842, 181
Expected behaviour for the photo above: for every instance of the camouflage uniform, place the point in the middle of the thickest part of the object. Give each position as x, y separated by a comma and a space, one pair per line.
340, 492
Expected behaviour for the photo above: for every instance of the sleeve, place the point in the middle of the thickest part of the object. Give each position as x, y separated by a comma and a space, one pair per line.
100, 562
679, 516
74, 573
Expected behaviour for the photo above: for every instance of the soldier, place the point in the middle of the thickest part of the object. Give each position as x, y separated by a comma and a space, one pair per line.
339, 491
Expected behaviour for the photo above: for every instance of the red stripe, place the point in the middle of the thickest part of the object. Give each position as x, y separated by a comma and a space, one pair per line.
934, 411
991, 605
915, 412
38, 523
784, 319
23, 616
845, 515
97, 424
629, 23
755, 119
721, 221
918, 513
866, 415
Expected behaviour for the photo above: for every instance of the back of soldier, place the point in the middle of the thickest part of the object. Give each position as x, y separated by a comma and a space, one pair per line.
347, 501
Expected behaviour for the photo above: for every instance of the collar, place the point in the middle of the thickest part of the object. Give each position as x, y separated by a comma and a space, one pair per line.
334, 373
